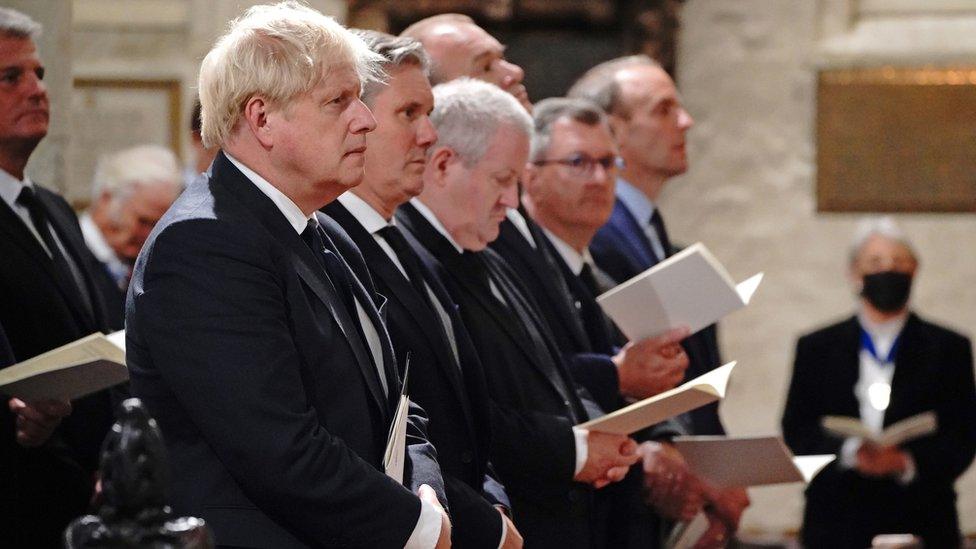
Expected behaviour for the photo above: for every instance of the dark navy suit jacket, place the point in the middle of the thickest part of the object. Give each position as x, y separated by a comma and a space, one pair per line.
244, 351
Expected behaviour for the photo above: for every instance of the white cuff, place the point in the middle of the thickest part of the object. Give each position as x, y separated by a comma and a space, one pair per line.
911, 471
428, 529
848, 452
582, 449
501, 542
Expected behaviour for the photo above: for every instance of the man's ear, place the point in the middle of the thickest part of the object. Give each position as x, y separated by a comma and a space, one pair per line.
256, 115
439, 164
618, 126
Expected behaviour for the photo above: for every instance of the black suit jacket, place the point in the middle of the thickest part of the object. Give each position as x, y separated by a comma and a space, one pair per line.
273, 413
623, 251
534, 401
933, 371
112, 295
44, 488
453, 394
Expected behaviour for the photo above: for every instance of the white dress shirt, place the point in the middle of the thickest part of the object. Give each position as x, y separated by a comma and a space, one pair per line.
427, 531
873, 387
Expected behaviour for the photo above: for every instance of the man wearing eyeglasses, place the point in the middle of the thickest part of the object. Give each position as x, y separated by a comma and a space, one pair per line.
650, 123
568, 193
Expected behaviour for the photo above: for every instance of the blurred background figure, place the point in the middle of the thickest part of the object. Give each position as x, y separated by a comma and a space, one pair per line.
201, 156
131, 190
883, 365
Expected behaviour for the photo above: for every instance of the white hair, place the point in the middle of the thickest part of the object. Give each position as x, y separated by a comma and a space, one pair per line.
884, 226
119, 174
277, 51
468, 112
18, 25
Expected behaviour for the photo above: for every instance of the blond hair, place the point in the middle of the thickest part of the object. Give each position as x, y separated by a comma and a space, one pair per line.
278, 51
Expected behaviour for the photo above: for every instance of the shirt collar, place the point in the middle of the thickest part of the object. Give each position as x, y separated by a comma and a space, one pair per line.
369, 218
289, 209
10, 187
574, 260
636, 202
436, 223
519, 222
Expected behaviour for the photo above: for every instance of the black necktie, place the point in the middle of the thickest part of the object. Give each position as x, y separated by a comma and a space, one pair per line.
588, 280
335, 270
407, 258
63, 272
662, 234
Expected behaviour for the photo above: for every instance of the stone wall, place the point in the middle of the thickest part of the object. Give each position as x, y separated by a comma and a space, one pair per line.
747, 71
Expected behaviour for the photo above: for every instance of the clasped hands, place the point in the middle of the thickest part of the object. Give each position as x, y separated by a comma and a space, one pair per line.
881, 461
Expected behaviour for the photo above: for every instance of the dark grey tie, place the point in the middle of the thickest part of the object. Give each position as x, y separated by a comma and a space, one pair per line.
662, 234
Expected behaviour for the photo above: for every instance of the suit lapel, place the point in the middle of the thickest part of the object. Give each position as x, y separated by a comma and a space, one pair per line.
846, 367
471, 284
309, 269
911, 361
406, 296
540, 261
630, 232
17, 231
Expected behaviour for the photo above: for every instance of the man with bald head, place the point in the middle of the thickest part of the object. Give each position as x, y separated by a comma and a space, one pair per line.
459, 47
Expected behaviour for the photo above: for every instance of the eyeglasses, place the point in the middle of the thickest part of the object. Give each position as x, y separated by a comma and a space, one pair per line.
583, 165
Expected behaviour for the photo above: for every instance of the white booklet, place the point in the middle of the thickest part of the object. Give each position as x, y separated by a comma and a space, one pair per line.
396, 442
747, 461
903, 431
690, 288
82, 367
698, 392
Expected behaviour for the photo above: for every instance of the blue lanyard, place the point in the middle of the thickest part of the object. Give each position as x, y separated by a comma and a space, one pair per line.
868, 345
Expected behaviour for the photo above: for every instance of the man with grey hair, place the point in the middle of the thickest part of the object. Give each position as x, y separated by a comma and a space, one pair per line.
47, 299
550, 468
446, 377
458, 47
883, 365
131, 190
253, 336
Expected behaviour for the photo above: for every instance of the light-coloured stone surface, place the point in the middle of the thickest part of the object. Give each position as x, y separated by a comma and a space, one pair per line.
747, 72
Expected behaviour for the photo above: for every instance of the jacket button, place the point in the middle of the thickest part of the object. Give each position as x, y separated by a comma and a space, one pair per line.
466, 457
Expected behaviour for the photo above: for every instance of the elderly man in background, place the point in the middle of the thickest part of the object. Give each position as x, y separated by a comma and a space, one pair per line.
549, 466
254, 337
445, 377
459, 47
883, 365
131, 190
48, 298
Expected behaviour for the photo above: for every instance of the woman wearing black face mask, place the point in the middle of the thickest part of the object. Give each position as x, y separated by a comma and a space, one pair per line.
883, 365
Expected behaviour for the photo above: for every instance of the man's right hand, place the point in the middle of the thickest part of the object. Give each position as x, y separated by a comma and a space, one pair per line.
652, 365
37, 420
427, 494
513, 538
608, 457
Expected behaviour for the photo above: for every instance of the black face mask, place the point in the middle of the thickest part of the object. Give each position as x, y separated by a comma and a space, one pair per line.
887, 291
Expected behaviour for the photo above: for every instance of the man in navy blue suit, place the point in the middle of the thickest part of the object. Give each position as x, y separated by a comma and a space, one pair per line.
254, 333
650, 124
